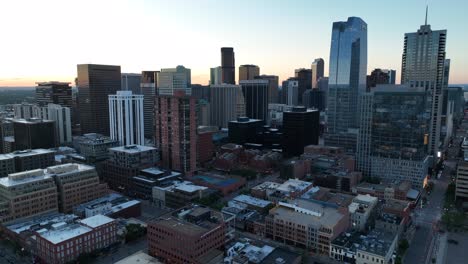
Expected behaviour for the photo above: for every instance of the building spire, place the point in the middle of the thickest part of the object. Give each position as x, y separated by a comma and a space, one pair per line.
425, 23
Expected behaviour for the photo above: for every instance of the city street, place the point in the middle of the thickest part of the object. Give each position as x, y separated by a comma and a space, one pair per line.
426, 218
122, 251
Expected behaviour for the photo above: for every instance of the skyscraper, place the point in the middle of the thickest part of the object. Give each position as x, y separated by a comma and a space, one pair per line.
347, 79
62, 117
423, 66
291, 91
317, 71
126, 118
176, 132
248, 72
304, 78
256, 98
300, 128
381, 76
228, 70
175, 79
54, 93
131, 82
34, 133
148, 90
215, 75
227, 104
95, 83
273, 82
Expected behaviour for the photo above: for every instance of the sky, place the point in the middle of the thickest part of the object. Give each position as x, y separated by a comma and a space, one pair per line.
45, 40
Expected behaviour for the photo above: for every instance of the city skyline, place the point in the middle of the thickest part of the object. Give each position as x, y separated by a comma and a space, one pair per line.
193, 36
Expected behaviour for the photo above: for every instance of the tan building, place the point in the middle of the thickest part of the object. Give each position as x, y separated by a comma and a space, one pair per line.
27, 194
76, 184
306, 224
461, 190
248, 72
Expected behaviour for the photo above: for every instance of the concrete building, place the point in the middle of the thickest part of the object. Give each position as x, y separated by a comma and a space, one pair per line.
228, 66
126, 162
461, 183
26, 194
273, 83
275, 114
34, 133
288, 190
304, 80
227, 103
94, 147
248, 72
300, 129
95, 83
398, 190
148, 90
142, 185
215, 75
131, 82
178, 194
306, 224
205, 144
25, 160
317, 71
59, 93
64, 243
244, 130
77, 184
381, 76
126, 118
176, 132
361, 211
256, 98
174, 80
188, 235
139, 257
291, 92
112, 205
25, 111
62, 117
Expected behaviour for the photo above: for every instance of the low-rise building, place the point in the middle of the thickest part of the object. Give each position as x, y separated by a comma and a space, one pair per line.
94, 147
113, 205
178, 194
361, 210
252, 203
148, 178
327, 197
398, 190
24, 160
141, 258
290, 189
461, 183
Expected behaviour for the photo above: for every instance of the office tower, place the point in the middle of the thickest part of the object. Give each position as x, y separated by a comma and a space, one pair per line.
244, 130
215, 75
423, 66
314, 98
228, 70
176, 132
304, 79
227, 104
322, 85
6, 132
300, 129
256, 98
317, 71
126, 118
291, 91
94, 147
203, 113
172, 80
34, 133
131, 82
95, 83
248, 72
348, 69
25, 110
126, 162
381, 76
189, 235
59, 93
148, 90
76, 184
27, 194
62, 117
24, 160
201, 92
75, 113
399, 131
273, 83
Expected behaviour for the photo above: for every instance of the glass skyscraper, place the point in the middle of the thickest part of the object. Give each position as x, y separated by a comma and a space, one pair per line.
347, 80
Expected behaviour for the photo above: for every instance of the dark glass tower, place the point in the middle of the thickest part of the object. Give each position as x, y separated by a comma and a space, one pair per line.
228, 71
54, 93
256, 98
95, 84
304, 78
300, 128
148, 89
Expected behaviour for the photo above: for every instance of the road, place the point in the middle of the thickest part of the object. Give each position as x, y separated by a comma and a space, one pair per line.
422, 245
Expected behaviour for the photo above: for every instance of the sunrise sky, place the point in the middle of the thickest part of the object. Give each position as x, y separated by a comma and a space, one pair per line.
45, 40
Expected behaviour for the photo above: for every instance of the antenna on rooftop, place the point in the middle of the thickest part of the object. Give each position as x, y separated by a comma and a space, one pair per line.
427, 7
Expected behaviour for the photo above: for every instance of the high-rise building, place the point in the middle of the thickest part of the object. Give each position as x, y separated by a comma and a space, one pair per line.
347, 79
34, 133
300, 129
131, 82
423, 66
228, 70
381, 76
94, 147
314, 98
95, 83
148, 90
25, 110
273, 82
76, 184
317, 71
172, 80
304, 80
176, 132
248, 72
244, 130
256, 98
62, 117
24, 160
188, 235
126, 118
215, 75
291, 91
227, 104
126, 162
461, 183
54, 93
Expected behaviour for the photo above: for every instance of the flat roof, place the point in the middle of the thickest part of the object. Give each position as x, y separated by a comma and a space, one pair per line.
64, 233
96, 221
30, 152
293, 185
41, 220
32, 121
132, 148
141, 258
24, 177
247, 199
67, 168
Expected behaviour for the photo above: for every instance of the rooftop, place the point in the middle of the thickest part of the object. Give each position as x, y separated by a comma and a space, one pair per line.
377, 242
39, 222
131, 149
63, 232
247, 199
253, 253
67, 168
15, 179
293, 185
96, 221
30, 152
32, 121
141, 258
266, 186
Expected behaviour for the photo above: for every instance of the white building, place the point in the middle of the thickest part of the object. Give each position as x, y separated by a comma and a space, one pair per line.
62, 117
126, 118
226, 104
171, 80
25, 110
360, 211
293, 92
